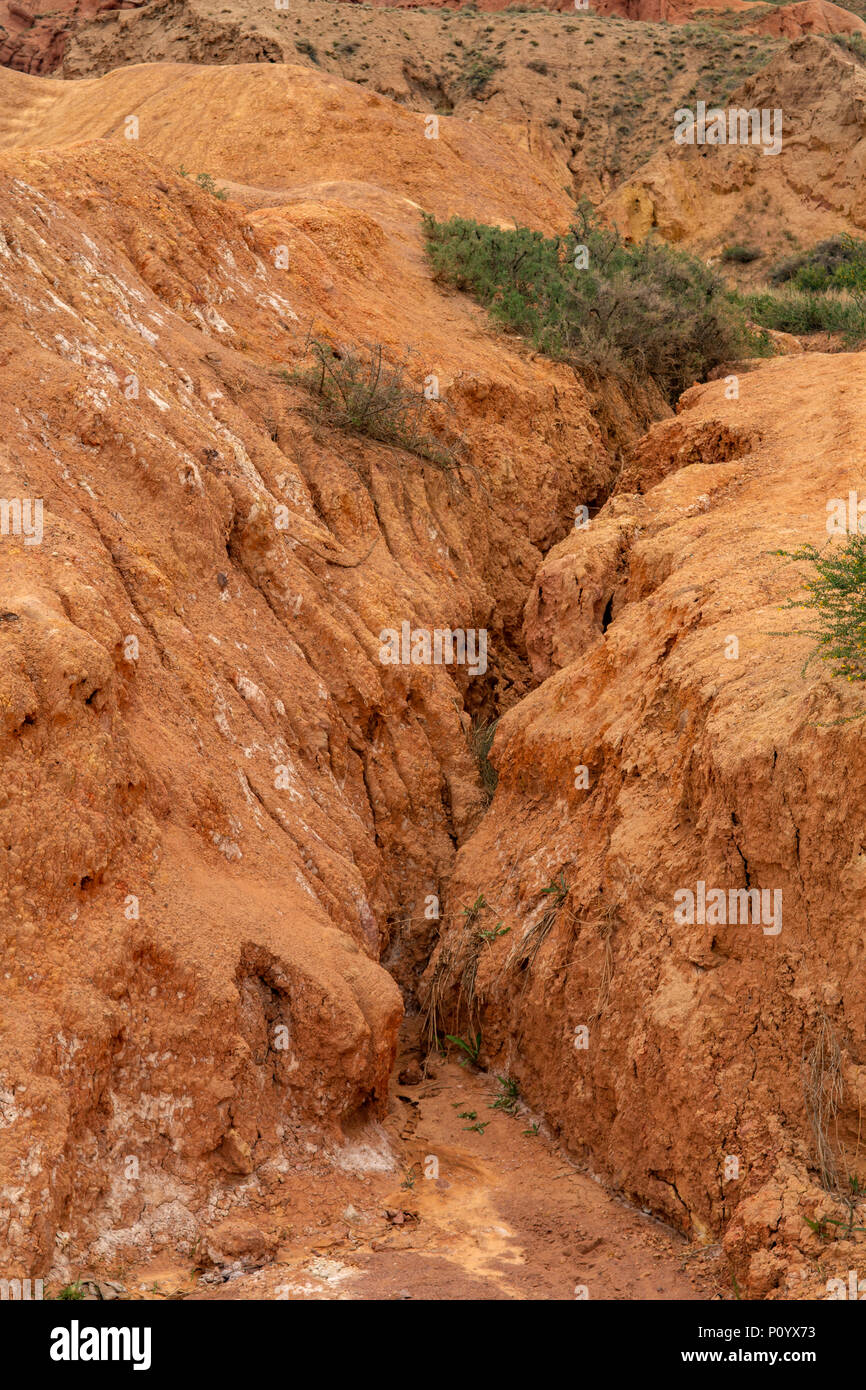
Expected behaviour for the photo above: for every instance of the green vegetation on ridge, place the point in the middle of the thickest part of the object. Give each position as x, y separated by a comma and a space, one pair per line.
640, 312
818, 291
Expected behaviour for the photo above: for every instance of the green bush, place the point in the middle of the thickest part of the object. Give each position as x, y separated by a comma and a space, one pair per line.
359, 391
642, 312
205, 181
481, 738
71, 1293
839, 263
742, 255
823, 291
837, 597
478, 71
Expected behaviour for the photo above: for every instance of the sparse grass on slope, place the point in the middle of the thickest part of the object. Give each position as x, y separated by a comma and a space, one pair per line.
603, 88
481, 742
853, 44
819, 291
640, 312
356, 389
207, 182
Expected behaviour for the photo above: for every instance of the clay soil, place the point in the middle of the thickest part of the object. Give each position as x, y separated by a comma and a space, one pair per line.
509, 1216
223, 815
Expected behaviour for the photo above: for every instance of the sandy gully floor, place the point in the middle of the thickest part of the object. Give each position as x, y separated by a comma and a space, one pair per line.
507, 1218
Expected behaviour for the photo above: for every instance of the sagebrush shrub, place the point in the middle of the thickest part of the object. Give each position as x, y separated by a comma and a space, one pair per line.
809, 312
836, 595
360, 391
644, 311
741, 255
822, 291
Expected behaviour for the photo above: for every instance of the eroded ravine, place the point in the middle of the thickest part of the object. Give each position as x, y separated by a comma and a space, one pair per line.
233, 807
223, 810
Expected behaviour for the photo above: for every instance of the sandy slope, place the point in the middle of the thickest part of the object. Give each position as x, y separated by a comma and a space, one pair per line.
286, 124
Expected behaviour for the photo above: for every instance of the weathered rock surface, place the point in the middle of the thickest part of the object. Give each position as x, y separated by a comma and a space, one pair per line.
219, 808
676, 739
707, 196
34, 40
807, 17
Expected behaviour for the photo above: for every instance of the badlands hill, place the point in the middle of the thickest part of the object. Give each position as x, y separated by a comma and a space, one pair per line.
806, 17
220, 809
703, 197
77, 33
706, 197
288, 123
590, 96
791, 20
225, 819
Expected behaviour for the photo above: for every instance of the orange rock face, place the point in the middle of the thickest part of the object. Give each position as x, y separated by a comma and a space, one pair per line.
808, 17
489, 6
676, 742
220, 807
34, 39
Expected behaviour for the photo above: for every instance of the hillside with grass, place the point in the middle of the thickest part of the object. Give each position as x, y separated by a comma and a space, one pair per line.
590, 95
